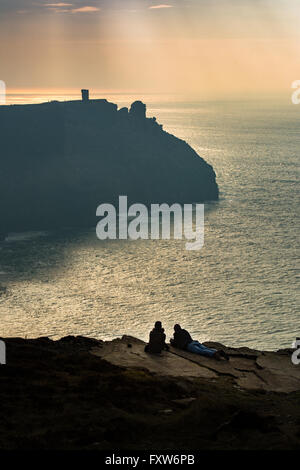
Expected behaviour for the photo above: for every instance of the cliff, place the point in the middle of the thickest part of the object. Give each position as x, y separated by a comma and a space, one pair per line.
82, 393
60, 160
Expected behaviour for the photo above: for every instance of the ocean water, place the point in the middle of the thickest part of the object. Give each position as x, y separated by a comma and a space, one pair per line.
241, 288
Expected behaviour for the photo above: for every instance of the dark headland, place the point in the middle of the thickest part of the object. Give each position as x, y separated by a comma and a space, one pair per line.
60, 160
83, 393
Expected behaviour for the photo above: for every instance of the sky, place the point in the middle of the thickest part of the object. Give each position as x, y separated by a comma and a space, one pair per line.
200, 47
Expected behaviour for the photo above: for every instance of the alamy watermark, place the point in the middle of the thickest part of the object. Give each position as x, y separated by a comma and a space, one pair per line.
2, 92
136, 222
2, 352
296, 353
296, 93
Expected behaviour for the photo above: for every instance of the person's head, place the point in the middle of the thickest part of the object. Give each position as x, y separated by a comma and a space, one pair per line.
177, 327
157, 325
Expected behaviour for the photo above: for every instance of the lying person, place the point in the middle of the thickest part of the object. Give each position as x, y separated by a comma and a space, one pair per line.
157, 340
183, 340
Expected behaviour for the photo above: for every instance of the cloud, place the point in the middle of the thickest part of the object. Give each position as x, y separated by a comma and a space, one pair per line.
86, 9
62, 7
154, 7
58, 5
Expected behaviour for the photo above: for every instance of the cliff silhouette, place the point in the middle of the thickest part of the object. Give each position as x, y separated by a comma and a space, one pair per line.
60, 160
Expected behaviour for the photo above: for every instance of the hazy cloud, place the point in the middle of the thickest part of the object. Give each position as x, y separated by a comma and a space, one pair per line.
87, 9
154, 7
58, 5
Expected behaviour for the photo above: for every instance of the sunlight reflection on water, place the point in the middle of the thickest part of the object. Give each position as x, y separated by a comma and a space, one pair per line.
239, 289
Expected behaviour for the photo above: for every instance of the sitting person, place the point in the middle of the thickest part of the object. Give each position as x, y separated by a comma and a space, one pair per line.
157, 340
183, 340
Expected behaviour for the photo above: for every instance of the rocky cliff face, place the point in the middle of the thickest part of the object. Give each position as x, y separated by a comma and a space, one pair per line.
60, 160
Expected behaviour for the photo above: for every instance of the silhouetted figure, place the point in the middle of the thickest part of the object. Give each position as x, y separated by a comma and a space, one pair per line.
85, 95
138, 110
183, 340
157, 340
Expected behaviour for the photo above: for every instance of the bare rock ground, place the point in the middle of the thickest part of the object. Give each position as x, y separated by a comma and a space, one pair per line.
83, 393
247, 368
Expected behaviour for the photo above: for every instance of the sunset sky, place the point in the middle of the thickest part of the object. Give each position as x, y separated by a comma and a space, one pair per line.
202, 47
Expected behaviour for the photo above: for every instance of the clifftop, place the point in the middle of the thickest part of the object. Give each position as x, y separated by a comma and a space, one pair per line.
82, 393
60, 160
247, 368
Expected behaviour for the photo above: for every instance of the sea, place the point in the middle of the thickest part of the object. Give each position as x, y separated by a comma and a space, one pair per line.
241, 288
